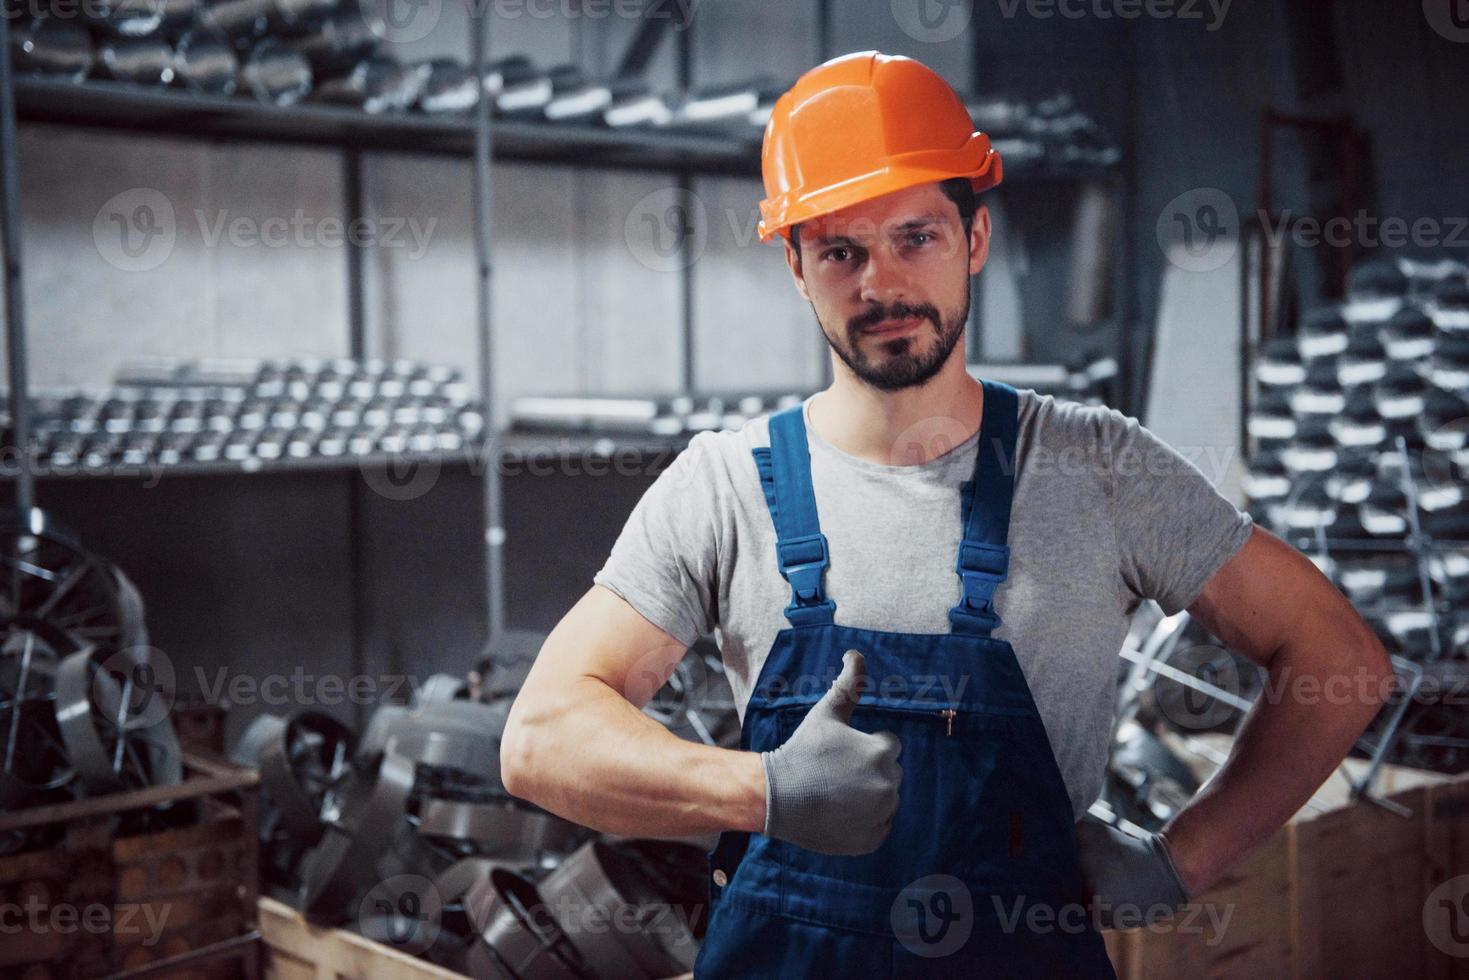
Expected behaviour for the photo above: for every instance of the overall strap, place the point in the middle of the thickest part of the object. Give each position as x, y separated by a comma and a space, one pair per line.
785, 475
984, 555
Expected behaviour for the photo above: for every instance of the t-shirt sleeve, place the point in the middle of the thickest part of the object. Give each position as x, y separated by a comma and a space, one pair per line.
664, 561
1174, 529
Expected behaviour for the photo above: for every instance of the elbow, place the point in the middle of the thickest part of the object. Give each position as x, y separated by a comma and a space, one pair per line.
517, 762
1375, 666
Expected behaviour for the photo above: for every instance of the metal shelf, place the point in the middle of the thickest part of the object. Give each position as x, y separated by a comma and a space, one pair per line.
1310, 545
135, 108
250, 467
525, 445
515, 448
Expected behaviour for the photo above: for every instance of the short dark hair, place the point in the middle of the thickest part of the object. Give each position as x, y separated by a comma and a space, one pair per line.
957, 189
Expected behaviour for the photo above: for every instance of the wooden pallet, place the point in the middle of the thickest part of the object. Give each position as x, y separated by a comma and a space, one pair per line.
175, 902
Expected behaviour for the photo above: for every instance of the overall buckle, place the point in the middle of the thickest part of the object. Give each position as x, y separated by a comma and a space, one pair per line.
981, 567
802, 560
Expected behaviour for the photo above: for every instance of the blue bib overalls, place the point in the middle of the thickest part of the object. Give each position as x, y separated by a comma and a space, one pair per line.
978, 876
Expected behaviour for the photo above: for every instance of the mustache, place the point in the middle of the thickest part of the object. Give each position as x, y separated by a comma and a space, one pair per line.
901, 311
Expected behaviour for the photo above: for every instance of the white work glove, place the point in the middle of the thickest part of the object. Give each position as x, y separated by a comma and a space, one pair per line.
1132, 880
830, 787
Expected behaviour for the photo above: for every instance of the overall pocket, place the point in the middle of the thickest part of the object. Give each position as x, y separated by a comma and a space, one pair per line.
977, 801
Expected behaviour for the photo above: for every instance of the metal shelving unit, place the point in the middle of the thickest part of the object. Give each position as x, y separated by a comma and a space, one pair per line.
104, 106
110, 106
100, 105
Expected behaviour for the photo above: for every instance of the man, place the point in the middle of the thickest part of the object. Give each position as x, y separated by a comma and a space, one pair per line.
941, 775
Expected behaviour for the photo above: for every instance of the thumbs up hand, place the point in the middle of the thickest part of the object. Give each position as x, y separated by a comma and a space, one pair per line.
830, 787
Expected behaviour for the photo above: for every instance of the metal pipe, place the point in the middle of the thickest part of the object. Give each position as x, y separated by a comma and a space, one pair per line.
1419, 546
353, 202
686, 234
483, 213
15, 329
355, 199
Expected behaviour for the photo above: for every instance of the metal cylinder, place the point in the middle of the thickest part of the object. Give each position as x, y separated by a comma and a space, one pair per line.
50, 46
141, 60
205, 61
274, 73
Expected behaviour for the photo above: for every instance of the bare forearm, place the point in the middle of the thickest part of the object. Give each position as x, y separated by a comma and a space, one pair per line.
591, 756
1323, 690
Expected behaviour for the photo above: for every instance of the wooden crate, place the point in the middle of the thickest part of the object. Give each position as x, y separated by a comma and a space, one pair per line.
1236, 929
1359, 873
175, 902
1447, 842
199, 726
296, 949
1339, 891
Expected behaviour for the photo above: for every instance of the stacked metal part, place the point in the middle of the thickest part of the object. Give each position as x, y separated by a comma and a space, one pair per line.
163, 412
1360, 442
330, 51
214, 46
273, 51
1051, 131
82, 712
1088, 379
407, 833
653, 415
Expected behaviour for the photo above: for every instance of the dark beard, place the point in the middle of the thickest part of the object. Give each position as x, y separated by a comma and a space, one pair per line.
903, 368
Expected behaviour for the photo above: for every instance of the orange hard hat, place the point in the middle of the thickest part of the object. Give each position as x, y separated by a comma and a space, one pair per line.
861, 126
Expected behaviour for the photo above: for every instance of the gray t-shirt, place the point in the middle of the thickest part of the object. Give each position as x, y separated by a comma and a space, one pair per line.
1105, 515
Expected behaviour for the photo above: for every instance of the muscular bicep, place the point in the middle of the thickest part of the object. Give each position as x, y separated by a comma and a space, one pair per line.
604, 639
1267, 592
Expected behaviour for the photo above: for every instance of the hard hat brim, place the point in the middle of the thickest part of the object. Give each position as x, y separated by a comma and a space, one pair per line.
901, 173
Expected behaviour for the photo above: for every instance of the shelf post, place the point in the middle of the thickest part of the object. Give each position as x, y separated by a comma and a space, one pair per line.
479, 34
15, 328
